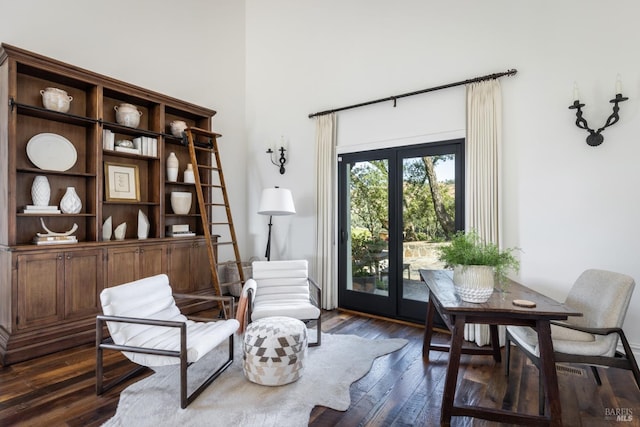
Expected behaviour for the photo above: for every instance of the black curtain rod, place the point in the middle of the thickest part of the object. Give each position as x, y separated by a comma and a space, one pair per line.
418, 92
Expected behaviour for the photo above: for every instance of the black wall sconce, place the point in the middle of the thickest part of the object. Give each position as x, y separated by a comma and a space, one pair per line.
281, 161
595, 137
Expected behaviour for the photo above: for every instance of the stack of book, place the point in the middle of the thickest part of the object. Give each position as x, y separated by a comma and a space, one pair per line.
32, 209
148, 146
179, 230
54, 240
181, 234
108, 139
142, 145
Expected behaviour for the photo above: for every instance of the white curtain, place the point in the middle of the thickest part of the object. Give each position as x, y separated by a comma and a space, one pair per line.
326, 178
482, 185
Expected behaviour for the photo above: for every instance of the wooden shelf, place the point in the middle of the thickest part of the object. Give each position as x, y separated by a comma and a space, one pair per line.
38, 171
60, 215
126, 130
43, 113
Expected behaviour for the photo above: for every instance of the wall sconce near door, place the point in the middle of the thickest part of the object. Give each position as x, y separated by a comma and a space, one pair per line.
595, 137
281, 161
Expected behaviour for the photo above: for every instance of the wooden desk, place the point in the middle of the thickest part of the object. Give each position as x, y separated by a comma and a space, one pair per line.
496, 311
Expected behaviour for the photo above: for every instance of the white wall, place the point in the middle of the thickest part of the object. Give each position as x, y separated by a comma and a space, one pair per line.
567, 205
191, 50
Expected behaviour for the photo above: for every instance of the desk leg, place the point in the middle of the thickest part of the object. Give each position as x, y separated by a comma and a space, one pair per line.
495, 343
428, 329
457, 337
548, 369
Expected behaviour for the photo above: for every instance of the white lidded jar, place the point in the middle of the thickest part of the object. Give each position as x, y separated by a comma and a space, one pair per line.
56, 99
127, 115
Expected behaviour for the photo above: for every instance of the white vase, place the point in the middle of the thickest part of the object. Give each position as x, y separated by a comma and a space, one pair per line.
143, 225
71, 203
121, 231
107, 229
172, 167
189, 178
40, 191
181, 202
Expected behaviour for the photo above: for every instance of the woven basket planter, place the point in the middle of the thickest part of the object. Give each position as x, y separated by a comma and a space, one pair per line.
473, 283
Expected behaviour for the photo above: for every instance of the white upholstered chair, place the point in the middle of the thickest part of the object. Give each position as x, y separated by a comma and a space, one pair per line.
147, 326
603, 298
283, 288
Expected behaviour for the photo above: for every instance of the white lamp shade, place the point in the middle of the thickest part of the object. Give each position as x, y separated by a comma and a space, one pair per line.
276, 201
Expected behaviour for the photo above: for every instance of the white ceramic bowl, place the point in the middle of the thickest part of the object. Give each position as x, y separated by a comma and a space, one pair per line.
127, 115
181, 202
56, 99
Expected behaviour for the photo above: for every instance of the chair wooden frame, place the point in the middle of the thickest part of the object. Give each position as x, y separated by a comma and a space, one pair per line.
103, 343
314, 299
619, 360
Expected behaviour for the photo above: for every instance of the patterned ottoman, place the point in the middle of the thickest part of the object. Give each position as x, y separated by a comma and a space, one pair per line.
274, 349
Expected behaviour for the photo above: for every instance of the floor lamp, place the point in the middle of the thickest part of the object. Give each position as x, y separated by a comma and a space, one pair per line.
275, 201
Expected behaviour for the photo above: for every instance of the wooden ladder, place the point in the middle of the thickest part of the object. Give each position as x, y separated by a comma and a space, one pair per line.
211, 192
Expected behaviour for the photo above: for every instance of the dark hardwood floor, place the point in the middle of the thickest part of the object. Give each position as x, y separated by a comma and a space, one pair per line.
400, 390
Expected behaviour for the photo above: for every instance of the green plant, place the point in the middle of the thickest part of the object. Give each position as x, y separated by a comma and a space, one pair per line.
365, 252
469, 249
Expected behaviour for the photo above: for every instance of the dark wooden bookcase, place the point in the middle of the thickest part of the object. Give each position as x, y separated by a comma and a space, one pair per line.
49, 293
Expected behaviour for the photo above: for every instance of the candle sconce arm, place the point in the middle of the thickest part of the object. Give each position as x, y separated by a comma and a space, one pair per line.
595, 137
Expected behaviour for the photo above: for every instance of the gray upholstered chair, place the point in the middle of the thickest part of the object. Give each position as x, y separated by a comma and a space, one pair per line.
603, 298
283, 288
147, 326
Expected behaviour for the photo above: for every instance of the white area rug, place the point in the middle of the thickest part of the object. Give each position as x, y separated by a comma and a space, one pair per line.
233, 401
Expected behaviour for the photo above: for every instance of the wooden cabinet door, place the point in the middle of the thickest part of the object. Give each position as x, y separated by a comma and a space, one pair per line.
153, 260
200, 270
40, 289
122, 265
83, 281
180, 266
189, 267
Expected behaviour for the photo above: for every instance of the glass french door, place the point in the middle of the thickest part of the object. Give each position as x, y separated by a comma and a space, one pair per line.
396, 206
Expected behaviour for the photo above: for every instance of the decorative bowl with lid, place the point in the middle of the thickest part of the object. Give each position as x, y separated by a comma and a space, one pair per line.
127, 115
56, 99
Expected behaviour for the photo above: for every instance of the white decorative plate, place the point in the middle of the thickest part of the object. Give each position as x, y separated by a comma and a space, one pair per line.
51, 152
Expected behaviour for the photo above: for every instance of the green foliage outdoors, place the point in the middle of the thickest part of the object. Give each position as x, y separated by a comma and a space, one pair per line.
365, 250
369, 207
369, 199
469, 249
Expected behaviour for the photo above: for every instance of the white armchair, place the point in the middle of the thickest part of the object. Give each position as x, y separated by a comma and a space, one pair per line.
147, 326
603, 298
283, 288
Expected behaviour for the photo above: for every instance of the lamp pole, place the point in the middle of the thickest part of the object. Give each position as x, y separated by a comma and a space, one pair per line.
268, 252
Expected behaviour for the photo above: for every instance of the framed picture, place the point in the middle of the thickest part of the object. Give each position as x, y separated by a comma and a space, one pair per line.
122, 182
